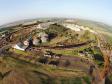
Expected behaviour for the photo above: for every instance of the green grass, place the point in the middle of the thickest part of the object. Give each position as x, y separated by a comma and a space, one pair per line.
56, 29
109, 38
72, 52
25, 53
110, 77
41, 74
99, 60
87, 80
65, 52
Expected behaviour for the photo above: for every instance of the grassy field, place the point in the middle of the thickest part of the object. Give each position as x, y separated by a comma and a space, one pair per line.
66, 52
22, 72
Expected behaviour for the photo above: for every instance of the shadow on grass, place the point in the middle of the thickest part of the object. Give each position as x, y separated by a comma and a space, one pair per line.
98, 57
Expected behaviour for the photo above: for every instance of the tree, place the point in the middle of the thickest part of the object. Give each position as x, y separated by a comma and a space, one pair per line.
43, 60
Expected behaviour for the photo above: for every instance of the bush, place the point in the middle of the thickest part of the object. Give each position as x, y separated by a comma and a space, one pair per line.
56, 29
43, 60
54, 62
67, 63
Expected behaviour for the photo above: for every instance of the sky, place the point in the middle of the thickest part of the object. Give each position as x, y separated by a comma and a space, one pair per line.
14, 10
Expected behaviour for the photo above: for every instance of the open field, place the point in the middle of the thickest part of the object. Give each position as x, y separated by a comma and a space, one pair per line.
66, 57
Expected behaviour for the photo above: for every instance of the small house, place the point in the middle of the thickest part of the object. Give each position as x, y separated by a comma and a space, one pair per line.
36, 41
20, 46
43, 36
26, 42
